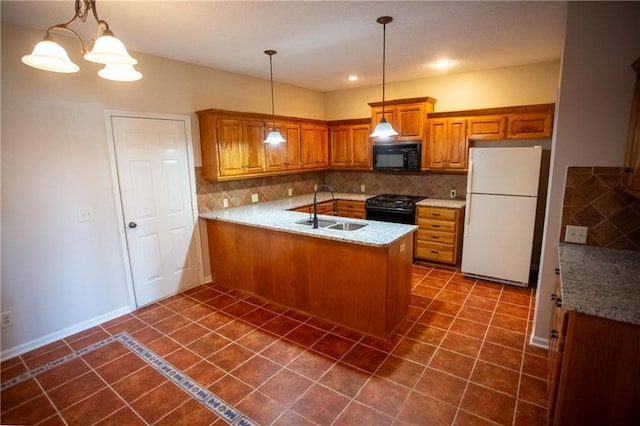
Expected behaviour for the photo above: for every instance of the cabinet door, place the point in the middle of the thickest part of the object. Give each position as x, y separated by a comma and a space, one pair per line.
556, 341
338, 140
230, 152
529, 126
458, 148
308, 145
253, 146
293, 157
437, 147
322, 147
276, 154
410, 121
487, 128
389, 115
360, 142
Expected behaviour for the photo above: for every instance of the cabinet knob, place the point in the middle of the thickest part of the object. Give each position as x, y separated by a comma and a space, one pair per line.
557, 271
628, 170
554, 334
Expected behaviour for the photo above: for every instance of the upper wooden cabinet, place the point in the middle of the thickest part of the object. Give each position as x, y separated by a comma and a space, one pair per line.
447, 145
451, 133
407, 116
233, 145
350, 144
314, 140
632, 159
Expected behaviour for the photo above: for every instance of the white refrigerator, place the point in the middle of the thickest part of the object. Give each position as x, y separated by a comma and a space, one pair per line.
500, 213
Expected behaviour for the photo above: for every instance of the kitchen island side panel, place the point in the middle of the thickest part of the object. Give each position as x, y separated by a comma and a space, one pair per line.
360, 287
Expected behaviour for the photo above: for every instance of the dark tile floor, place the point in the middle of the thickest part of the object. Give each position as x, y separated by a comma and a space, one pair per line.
462, 357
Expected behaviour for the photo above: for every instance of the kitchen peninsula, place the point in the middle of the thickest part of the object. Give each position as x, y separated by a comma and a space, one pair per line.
359, 279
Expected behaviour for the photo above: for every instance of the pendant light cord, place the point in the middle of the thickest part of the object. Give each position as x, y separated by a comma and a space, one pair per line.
384, 56
273, 108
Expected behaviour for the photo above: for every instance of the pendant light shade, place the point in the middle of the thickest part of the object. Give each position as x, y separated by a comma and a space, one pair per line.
274, 137
119, 73
48, 55
107, 49
383, 129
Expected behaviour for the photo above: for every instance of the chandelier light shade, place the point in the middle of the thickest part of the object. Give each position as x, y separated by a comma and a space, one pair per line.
274, 137
104, 49
383, 129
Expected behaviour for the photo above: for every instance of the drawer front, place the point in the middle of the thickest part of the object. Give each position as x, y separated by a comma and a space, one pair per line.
434, 251
351, 205
437, 213
435, 236
436, 225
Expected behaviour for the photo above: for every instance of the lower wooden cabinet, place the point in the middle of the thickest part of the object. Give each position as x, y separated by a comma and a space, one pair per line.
354, 209
438, 237
632, 159
594, 366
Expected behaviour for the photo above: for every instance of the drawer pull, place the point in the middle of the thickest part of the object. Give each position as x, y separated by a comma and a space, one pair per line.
435, 237
435, 226
435, 214
434, 251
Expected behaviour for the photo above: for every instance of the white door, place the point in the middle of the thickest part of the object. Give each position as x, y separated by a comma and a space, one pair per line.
156, 195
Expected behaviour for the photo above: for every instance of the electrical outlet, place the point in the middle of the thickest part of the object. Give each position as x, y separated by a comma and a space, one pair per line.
453, 193
290, 191
6, 319
315, 187
85, 214
576, 234
254, 198
362, 188
225, 202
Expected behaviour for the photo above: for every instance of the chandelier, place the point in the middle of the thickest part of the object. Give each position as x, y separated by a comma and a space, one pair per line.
104, 49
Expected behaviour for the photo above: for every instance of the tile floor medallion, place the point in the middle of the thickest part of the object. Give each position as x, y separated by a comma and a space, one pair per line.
190, 386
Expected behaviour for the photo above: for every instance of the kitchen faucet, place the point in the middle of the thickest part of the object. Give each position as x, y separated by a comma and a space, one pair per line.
315, 203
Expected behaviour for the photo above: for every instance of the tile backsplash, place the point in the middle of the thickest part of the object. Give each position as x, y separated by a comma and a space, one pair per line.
593, 197
238, 192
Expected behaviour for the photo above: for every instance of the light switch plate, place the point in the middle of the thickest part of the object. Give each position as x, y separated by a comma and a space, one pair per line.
576, 234
254, 198
85, 214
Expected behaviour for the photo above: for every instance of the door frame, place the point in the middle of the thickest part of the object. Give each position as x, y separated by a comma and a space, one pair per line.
109, 114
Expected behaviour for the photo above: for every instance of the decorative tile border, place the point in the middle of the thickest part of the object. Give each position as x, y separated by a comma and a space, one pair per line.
186, 383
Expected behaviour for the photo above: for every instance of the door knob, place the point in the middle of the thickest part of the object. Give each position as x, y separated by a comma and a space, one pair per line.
133, 225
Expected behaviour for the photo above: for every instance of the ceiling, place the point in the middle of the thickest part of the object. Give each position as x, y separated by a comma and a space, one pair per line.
320, 43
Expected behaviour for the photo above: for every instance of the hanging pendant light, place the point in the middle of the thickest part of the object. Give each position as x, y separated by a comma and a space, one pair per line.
105, 49
383, 129
274, 137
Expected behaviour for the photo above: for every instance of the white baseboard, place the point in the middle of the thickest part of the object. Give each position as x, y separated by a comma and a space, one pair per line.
207, 279
539, 342
50, 338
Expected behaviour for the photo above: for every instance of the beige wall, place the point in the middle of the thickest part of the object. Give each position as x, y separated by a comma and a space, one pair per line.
523, 85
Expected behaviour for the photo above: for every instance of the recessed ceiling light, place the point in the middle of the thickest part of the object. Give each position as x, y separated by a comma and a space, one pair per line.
442, 63
352, 78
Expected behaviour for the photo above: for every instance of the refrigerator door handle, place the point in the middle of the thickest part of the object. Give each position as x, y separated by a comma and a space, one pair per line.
467, 216
470, 176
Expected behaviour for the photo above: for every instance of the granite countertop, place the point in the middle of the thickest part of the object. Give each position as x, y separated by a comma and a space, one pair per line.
451, 203
275, 215
600, 281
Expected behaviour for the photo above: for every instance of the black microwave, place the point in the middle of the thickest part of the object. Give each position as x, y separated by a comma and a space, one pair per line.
397, 157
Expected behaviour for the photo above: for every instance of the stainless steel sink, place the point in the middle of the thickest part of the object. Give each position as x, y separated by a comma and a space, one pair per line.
322, 223
347, 226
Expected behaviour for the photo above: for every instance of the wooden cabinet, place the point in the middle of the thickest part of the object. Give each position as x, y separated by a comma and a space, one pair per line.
447, 145
594, 364
355, 209
450, 134
407, 116
439, 234
632, 158
232, 145
286, 155
350, 145
314, 141
487, 127
240, 146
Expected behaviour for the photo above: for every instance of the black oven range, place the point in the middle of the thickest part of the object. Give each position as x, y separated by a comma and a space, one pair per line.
392, 208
